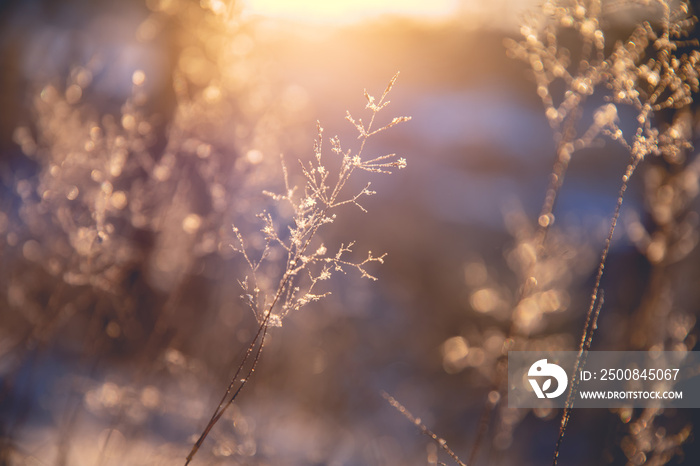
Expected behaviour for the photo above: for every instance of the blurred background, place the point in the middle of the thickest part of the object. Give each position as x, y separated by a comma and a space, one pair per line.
134, 134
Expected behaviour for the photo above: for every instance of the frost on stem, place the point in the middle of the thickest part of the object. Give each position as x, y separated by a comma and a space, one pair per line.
442, 443
313, 205
285, 275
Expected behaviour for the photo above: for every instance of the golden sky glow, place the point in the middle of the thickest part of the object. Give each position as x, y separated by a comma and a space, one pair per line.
347, 11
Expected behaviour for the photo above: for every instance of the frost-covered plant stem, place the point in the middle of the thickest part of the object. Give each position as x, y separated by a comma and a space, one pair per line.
303, 270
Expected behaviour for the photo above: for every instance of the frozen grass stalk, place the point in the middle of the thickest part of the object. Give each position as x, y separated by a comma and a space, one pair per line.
307, 261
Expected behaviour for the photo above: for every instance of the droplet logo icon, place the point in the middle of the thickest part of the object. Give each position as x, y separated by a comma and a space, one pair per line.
541, 369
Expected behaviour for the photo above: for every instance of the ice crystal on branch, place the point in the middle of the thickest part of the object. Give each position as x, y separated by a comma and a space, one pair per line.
285, 275
313, 205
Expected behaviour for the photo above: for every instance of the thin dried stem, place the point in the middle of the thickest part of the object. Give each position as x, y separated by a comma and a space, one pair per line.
423, 428
589, 328
224, 404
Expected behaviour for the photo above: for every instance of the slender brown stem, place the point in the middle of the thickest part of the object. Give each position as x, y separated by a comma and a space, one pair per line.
423, 428
593, 311
223, 404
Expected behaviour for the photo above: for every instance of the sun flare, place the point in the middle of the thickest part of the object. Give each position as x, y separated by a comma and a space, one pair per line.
348, 11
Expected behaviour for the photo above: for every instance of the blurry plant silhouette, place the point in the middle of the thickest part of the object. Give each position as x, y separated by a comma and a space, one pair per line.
109, 237
115, 239
635, 92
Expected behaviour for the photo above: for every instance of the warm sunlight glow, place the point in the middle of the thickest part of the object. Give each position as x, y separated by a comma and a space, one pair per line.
348, 11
